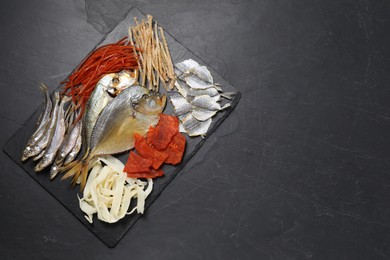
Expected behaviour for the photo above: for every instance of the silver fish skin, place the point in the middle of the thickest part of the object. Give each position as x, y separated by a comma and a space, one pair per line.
75, 150
68, 143
54, 169
196, 76
186, 65
195, 82
56, 137
41, 126
208, 91
203, 73
202, 114
98, 100
206, 102
180, 104
195, 127
39, 156
182, 88
191, 66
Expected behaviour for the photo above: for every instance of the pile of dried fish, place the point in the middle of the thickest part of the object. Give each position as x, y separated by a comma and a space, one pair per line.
198, 98
58, 137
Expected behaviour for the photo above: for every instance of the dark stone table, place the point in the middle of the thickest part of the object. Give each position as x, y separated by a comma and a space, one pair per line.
300, 169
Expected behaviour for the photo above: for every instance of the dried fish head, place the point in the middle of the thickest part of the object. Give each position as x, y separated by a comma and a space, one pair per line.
28, 152
150, 104
120, 81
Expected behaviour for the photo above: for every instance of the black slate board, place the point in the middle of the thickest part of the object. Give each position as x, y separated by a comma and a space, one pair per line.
111, 234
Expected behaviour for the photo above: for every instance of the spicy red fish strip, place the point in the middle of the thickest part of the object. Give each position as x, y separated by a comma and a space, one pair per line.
136, 163
147, 151
161, 135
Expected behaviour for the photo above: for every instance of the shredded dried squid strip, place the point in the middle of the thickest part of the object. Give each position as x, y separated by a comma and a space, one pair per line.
109, 192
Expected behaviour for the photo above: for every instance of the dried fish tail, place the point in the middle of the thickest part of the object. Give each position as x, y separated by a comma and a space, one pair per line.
78, 170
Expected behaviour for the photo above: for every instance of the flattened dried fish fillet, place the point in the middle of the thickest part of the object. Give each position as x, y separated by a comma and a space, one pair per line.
206, 102
202, 114
180, 104
198, 92
195, 127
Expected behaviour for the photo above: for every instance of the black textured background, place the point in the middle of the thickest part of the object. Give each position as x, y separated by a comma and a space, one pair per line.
299, 170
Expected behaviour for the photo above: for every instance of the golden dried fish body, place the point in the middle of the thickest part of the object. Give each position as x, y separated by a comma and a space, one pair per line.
56, 136
41, 126
132, 111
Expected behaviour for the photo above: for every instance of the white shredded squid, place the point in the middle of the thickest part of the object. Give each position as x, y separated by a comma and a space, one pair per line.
108, 191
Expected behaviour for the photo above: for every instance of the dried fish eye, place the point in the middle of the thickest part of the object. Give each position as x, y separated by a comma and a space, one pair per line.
145, 97
134, 103
115, 81
113, 92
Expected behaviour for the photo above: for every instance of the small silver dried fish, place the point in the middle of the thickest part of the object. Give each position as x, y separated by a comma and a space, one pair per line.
56, 136
43, 141
66, 147
75, 150
41, 128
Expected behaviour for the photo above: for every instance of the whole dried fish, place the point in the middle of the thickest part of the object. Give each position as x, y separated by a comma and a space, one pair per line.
106, 89
56, 136
66, 147
75, 150
69, 142
41, 126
